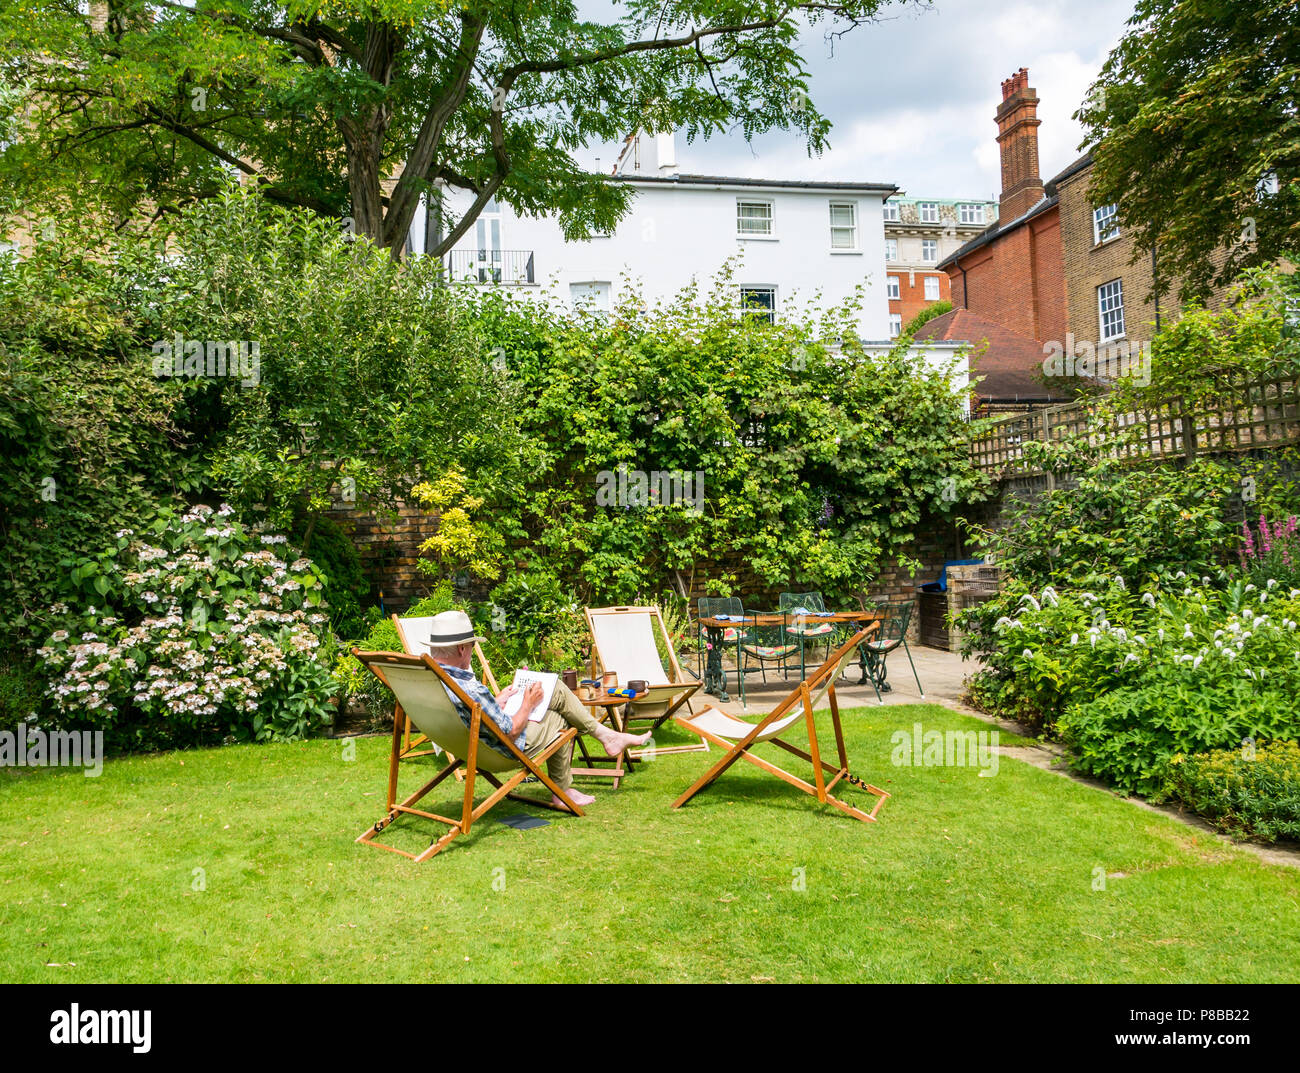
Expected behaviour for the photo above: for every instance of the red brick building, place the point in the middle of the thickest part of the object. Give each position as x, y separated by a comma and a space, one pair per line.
1013, 274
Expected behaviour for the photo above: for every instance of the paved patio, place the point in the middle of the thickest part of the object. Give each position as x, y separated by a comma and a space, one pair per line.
941, 673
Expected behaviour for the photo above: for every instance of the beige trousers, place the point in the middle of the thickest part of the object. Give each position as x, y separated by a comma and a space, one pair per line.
566, 710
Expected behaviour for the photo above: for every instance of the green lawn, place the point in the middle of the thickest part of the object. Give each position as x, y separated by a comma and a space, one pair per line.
965, 878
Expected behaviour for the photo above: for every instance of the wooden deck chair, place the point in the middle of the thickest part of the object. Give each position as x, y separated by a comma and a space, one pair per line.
738, 737
623, 641
420, 686
414, 633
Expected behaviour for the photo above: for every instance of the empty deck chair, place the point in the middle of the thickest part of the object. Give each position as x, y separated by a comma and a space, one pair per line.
794, 714
623, 641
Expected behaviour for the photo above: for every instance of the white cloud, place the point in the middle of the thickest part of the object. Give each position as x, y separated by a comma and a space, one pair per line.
912, 98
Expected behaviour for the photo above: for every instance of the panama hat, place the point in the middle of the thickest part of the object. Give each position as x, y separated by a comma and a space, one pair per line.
451, 628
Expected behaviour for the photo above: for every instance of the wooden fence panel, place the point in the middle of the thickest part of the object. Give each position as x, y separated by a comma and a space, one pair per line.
1247, 412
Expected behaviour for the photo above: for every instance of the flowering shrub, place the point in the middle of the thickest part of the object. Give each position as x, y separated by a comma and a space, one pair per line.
196, 627
1271, 552
1130, 679
1249, 791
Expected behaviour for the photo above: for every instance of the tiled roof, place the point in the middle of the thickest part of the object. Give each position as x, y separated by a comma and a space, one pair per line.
724, 180
1009, 362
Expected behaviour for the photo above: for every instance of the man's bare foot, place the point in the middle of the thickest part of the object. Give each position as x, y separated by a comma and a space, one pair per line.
576, 796
615, 741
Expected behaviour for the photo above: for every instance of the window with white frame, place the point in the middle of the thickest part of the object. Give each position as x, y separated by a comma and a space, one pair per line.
929, 249
895, 325
970, 214
753, 218
927, 212
844, 225
891, 287
891, 249
592, 297
759, 302
931, 288
1267, 186
891, 212
1110, 309
1105, 224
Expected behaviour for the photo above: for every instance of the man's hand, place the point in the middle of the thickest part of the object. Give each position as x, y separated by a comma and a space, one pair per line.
505, 695
532, 698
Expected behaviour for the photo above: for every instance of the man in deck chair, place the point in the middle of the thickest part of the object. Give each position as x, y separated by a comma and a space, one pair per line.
451, 644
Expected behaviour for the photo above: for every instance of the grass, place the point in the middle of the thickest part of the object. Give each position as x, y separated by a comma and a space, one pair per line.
964, 879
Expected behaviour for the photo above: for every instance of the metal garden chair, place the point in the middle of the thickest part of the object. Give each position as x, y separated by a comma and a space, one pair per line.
766, 644
801, 624
892, 635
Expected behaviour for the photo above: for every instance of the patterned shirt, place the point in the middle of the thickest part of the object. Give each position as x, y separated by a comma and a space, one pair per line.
476, 690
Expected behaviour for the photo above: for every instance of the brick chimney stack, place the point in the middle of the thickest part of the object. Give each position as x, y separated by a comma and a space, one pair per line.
1017, 118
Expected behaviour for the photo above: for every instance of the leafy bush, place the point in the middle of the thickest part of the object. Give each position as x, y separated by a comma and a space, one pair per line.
1244, 791
91, 440
1129, 680
192, 629
929, 313
533, 619
344, 583
811, 458
368, 377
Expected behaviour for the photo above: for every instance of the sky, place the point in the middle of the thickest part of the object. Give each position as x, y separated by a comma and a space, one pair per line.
912, 98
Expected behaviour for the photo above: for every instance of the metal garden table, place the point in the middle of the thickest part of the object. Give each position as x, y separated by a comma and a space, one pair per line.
715, 678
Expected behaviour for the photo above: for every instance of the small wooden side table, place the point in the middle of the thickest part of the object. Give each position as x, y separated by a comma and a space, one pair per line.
615, 708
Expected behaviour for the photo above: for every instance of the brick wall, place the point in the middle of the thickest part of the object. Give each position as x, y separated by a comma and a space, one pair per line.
911, 292
389, 550
1017, 279
1087, 265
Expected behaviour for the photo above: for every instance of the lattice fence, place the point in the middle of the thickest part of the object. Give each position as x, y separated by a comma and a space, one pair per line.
1245, 412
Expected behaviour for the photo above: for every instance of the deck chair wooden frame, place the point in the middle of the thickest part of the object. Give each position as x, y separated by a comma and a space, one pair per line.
738, 737
410, 646
663, 698
434, 713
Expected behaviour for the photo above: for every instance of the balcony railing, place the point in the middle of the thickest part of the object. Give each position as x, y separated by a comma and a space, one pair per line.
490, 266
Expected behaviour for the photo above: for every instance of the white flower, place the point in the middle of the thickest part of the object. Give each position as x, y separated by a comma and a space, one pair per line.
1272, 584
1250, 588
1119, 581
1161, 633
1149, 599
1027, 654
1027, 599
1049, 597
1130, 656
1074, 638
1196, 662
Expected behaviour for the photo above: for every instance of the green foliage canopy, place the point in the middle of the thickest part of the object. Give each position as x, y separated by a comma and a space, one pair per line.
318, 104
1198, 103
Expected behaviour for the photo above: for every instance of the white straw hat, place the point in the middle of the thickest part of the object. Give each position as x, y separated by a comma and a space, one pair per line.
451, 628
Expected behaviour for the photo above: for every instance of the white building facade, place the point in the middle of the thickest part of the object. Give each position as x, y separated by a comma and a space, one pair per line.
798, 243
